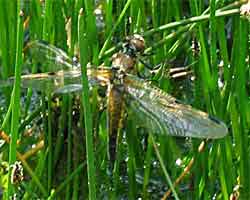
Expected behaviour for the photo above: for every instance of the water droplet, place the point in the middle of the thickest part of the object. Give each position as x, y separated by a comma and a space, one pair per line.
154, 163
178, 162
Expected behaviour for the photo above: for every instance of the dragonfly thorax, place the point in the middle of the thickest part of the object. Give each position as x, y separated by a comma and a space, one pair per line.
123, 61
117, 77
132, 48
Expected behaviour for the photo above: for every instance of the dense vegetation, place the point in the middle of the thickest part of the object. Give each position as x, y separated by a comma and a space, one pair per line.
61, 140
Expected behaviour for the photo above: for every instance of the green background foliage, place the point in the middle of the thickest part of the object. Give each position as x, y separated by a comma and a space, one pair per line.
72, 162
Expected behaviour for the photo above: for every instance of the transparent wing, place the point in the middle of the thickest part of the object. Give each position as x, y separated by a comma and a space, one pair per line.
47, 57
54, 82
61, 75
63, 81
162, 113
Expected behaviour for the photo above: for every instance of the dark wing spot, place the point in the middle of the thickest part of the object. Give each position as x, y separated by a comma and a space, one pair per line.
51, 73
178, 101
43, 42
214, 119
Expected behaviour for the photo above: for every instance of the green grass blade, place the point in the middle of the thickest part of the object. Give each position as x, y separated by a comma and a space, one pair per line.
16, 98
107, 41
83, 44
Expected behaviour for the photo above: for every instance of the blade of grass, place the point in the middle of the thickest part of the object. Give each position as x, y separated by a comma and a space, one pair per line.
213, 55
69, 146
131, 160
8, 16
172, 25
47, 20
147, 169
58, 146
83, 45
76, 163
107, 41
16, 97
163, 167
47, 34
69, 178
26, 165
190, 21
91, 28
242, 100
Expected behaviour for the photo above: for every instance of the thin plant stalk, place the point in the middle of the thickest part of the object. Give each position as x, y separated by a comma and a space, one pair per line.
16, 99
83, 44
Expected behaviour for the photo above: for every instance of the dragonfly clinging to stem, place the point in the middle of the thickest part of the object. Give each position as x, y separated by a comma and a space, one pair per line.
159, 111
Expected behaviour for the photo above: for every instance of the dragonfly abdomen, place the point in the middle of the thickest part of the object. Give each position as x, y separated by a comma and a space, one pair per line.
115, 113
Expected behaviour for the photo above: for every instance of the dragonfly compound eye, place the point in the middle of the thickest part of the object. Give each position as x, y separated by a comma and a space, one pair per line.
136, 42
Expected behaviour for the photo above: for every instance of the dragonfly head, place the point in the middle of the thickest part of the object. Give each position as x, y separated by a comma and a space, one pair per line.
134, 45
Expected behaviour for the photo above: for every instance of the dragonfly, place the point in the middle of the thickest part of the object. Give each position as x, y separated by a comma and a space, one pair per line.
159, 111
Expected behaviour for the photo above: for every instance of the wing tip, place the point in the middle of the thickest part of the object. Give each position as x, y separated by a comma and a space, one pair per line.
220, 127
